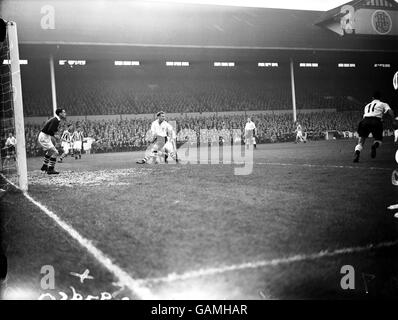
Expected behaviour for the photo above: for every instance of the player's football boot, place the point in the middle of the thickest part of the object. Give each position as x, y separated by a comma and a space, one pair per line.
373, 152
356, 156
52, 171
44, 168
60, 160
140, 161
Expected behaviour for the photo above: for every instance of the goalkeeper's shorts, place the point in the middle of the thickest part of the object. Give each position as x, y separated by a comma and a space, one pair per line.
45, 142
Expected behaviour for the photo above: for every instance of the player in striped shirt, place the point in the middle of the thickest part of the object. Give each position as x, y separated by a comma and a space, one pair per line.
372, 123
66, 141
77, 138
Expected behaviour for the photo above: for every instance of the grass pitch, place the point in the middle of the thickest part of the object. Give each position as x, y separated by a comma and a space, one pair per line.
200, 232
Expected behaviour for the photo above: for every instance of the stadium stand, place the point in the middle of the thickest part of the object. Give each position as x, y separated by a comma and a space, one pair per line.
101, 89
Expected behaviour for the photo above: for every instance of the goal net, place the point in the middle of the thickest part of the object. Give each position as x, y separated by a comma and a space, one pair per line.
12, 133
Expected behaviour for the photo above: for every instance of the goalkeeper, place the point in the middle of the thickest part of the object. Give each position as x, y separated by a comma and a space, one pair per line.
47, 137
163, 143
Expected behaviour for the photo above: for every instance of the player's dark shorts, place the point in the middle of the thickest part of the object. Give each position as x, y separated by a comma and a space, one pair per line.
11, 150
371, 125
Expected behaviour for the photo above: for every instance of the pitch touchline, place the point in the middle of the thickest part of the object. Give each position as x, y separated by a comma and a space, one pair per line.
265, 263
301, 165
321, 166
293, 164
125, 280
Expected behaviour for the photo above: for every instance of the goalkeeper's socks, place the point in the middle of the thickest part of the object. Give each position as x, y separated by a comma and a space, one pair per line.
46, 160
51, 163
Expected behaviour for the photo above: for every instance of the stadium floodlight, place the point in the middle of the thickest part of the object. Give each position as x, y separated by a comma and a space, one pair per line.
346, 65
8, 61
308, 65
382, 65
224, 64
72, 62
267, 64
177, 63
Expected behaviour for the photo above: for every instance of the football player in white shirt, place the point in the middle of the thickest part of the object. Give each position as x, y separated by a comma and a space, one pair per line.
10, 147
250, 133
372, 123
163, 142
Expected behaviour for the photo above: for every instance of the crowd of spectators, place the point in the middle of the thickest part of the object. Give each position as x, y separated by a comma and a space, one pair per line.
132, 134
107, 91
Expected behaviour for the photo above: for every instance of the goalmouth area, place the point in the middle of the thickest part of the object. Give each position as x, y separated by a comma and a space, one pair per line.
284, 231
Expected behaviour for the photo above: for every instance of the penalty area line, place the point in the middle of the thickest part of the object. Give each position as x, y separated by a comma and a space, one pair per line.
124, 279
321, 166
266, 263
307, 165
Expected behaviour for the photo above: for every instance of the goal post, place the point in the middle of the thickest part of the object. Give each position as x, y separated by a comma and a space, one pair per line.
11, 101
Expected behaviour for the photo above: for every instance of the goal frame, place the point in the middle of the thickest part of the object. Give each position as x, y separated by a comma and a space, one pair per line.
19, 125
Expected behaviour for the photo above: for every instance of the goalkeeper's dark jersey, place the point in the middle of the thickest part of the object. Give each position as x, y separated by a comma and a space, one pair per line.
51, 126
